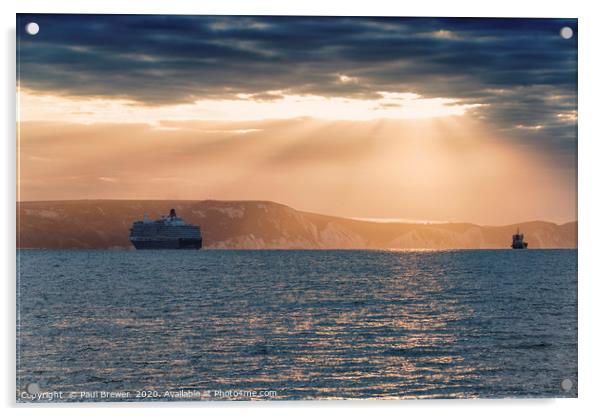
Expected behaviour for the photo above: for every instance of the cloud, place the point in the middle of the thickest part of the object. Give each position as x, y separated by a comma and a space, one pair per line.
444, 34
176, 58
511, 68
345, 79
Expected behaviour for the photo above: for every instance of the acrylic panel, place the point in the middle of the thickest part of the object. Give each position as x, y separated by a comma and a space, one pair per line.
295, 208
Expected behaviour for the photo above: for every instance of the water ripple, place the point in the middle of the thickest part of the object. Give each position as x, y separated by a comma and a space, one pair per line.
307, 324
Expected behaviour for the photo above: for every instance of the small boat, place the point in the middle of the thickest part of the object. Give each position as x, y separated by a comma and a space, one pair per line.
518, 240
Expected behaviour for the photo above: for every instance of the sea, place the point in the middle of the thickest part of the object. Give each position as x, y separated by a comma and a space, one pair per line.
295, 325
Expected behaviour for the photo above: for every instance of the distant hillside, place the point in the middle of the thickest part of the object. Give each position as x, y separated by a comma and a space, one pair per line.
105, 224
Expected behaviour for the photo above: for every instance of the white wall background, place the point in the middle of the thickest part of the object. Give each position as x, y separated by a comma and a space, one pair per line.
590, 206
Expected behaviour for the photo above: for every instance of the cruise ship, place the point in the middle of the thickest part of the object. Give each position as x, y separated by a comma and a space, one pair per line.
518, 240
169, 232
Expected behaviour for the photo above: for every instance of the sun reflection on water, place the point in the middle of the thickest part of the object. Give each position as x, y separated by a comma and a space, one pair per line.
321, 325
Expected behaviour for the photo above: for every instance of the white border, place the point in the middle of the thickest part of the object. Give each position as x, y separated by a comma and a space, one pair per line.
590, 206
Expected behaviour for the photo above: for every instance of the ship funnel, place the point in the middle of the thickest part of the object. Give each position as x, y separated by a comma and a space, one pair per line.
145, 219
172, 213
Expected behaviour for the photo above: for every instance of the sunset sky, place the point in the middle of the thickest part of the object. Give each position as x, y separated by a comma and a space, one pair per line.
415, 119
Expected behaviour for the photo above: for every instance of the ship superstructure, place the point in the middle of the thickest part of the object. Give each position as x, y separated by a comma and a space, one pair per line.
518, 240
168, 232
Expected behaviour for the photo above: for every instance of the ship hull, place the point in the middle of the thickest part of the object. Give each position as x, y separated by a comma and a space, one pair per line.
519, 246
169, 244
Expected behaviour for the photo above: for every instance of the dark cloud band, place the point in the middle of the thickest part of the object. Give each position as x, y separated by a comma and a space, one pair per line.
522, 70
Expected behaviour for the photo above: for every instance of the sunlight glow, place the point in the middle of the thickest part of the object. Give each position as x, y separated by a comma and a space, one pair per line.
346, 79
445, 169
391, 105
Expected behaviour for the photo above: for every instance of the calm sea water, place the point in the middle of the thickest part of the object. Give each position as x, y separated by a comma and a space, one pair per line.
303, 324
